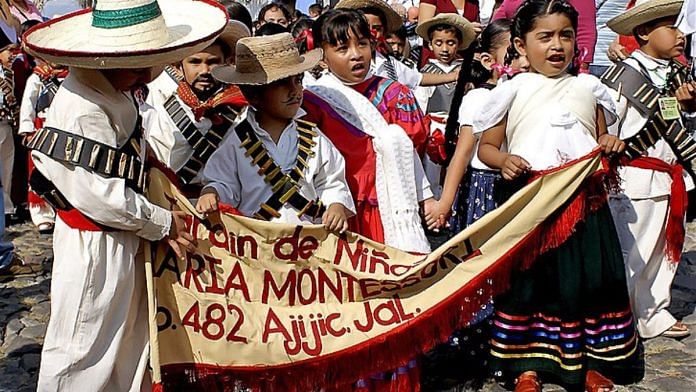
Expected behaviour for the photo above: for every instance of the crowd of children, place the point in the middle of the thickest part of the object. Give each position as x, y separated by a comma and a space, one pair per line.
326, 119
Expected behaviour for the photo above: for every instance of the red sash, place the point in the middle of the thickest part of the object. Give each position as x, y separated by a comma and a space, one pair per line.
677, 203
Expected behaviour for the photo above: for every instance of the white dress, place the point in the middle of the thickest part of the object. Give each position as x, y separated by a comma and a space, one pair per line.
550, 121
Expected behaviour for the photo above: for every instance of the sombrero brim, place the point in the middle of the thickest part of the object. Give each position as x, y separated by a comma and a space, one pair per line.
462, 24
625, 23
233, 32
71, 40
229, 73
394, 21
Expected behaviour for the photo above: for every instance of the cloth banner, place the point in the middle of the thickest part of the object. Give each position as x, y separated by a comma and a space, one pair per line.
282, 307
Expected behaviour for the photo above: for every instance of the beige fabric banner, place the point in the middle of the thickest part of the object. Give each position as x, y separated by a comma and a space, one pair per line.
282, 299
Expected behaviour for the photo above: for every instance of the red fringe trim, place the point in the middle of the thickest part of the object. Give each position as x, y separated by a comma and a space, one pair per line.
386, 352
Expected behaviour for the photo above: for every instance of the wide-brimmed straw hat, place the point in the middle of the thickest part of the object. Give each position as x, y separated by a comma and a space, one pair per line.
643, 13
234, 31
394, 21
265, 59
128, 33
455, 20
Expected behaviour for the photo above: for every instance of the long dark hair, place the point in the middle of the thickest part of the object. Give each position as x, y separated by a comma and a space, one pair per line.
475, 74
529, 12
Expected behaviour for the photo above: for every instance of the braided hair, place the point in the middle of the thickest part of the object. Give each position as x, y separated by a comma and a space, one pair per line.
476, 74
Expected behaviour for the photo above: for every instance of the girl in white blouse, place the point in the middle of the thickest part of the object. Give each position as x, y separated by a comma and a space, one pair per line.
567, 317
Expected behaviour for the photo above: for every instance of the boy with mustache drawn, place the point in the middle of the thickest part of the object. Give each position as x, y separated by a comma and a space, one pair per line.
274, 166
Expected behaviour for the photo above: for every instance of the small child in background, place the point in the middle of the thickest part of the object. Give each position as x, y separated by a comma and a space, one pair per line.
301, 32
401, 48
271, 147
446, 34
469, 198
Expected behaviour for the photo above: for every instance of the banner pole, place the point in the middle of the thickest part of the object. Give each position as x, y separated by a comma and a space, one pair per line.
152, 319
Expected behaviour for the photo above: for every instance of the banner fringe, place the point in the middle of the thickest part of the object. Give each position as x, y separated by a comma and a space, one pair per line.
338, 371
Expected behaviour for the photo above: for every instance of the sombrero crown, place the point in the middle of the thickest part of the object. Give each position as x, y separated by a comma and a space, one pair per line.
128, 33
265, 59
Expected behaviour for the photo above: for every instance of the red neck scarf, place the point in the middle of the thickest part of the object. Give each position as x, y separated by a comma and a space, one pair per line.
230, 95
47, 72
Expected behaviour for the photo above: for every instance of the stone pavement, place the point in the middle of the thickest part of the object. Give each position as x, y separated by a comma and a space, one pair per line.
670, 365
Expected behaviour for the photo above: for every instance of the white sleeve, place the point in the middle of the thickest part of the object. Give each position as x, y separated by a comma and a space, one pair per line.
495, 107
409, 77
470, 106
602, 95
27, 110
107, 201
220, 172
330, 180
158, 131
423, 95
423, 190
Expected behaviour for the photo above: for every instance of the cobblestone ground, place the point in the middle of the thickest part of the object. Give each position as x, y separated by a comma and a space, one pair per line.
670, 365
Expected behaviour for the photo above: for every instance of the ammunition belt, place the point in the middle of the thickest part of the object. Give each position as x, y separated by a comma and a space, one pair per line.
638, 89
203, 145
284, 185
99, 158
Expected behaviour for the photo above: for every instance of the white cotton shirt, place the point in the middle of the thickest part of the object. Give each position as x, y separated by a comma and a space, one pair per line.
409, 77
472, 104
27, 111
643, 183
168, 143
90, 107
160, 89
550, 121
237, 182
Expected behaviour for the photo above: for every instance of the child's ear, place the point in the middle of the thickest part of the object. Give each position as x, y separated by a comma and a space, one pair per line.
643, 32
486, 60
519, 46
430, 46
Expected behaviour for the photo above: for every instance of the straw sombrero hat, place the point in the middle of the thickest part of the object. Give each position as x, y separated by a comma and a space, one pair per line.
643, 13
265, 59
458, 22
394, 21
128, 33
233, 32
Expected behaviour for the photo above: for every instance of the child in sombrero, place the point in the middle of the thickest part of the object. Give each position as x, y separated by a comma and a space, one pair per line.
275, 166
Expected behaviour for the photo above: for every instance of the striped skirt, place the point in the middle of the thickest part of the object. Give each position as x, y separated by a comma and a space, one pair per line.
570, 312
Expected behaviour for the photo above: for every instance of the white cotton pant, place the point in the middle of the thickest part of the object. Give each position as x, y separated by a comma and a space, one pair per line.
41, 213
641, 226
7, 152
97, 336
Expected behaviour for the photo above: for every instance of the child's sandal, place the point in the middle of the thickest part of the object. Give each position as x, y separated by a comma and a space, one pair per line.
528, 382
595, 382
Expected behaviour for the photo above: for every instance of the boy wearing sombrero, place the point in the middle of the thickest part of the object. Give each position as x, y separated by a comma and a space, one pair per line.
653, 103
274, 166
89, 164
189, 125
382, 20
446, 34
